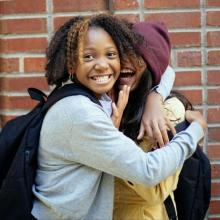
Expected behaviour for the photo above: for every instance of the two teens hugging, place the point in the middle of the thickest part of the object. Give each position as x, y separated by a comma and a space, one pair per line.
76, 167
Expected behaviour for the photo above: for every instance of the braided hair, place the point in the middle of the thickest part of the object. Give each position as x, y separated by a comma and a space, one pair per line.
67, 42
56, 67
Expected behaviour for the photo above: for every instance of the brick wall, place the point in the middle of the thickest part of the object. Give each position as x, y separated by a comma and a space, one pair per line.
194, 26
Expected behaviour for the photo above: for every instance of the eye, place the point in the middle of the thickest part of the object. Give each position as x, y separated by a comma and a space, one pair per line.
112, 54
88, 57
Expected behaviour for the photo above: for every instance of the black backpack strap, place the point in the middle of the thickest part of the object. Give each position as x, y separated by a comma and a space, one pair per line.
37, 94
171, 212
69, 90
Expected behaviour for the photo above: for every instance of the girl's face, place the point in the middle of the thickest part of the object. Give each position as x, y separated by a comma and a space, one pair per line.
98, 64
131, 72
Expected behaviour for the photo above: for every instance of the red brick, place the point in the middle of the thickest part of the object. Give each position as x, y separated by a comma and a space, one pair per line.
213, 18
22, 83
23, 45
59, 21
9, 65
188, 78
129, 17
126, 4
214, 58
24, 6
34, 64
214, 96
214, 207
83, 5
214, 136
214, 77
215, 189
214, 115
185, 39
213, 38
5, 118
188, 59
215, 170
212, 3
214, 154
20, 26
194, 96
171, 4
19, 102
176, 19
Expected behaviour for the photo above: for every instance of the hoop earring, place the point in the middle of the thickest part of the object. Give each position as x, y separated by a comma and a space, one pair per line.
72, 77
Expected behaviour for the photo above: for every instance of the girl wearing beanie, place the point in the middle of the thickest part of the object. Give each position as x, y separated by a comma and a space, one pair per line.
136, 201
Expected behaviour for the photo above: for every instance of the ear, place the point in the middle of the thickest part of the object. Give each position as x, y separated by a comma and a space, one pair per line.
141, 62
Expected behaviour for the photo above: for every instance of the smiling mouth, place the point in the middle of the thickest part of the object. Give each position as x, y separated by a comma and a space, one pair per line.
125, 73
101, 78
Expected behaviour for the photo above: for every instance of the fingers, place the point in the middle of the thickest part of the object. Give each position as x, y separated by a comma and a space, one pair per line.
145, 128
196, 116
123, 97
156, 130
152, 130
141, 132
115, 112
170, 127
149, 130
164, 134
157, 134
126, 91
115, 115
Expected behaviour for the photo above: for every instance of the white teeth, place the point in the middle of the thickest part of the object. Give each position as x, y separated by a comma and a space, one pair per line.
126, 71
101, 79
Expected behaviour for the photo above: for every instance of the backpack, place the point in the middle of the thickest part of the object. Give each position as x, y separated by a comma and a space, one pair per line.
193, 192
19, 141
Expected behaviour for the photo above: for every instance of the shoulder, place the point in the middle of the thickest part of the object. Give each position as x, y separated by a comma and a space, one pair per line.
74, 110
77, 104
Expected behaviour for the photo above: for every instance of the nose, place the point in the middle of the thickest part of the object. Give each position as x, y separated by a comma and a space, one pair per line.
101, 65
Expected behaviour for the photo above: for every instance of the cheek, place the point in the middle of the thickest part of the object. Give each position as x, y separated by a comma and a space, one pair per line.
139, 74
117, 66
136, 80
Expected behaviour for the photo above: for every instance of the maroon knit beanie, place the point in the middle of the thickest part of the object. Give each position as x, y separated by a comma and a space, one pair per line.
156, 47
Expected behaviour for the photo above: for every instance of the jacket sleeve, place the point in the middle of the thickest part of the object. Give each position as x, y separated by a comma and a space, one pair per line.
92, 140
157, 194
166, 82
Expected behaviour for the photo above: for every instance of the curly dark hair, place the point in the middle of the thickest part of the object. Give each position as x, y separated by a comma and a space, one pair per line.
56, 67
64, 47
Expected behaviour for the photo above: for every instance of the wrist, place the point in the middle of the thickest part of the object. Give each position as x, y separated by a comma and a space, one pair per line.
156, 95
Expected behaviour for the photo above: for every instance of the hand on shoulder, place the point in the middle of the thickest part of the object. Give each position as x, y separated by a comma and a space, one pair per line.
196, 116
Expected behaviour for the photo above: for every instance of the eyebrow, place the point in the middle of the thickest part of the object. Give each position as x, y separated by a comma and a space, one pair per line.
94, 48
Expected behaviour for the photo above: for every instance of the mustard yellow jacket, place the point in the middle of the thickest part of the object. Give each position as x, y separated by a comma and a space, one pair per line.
139, 202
